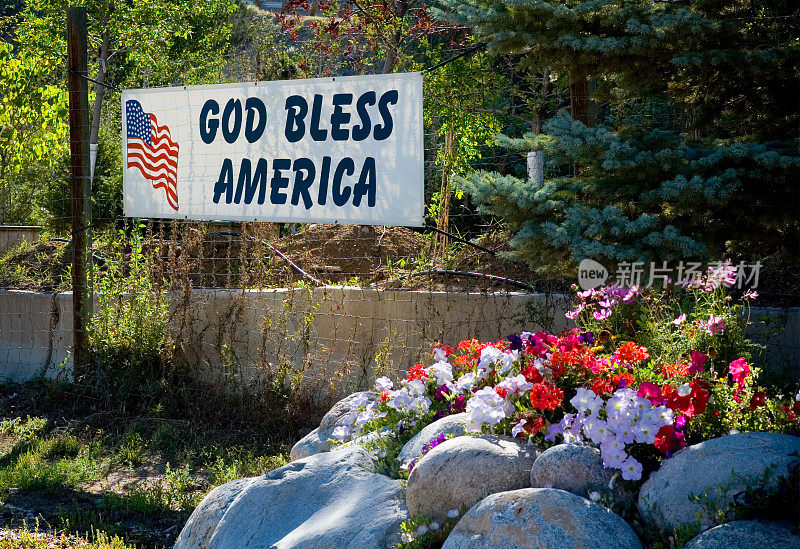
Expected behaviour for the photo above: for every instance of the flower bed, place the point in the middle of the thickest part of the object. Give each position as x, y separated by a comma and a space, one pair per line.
642, 375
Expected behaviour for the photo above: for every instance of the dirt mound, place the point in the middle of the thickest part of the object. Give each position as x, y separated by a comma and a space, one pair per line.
340, 253
41, 266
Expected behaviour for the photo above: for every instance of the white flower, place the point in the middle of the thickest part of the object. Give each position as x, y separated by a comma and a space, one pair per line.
466, 382
416, 388
452, 513
623, 429
434, 525
684, 390
348, 419
645, 433
586, 401
443, 372
399, 400
614, 459
631, 469
518, 428
594, 496
489, 355
383, 384
509, 358
595, 429
359, 400
363, 418
797, 396
406, 537
486, 406
340, 432
515, 384
421, 405
658, 417
439, 355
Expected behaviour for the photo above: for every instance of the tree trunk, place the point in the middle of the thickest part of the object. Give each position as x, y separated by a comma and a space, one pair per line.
579, 101
579, 96
100, 92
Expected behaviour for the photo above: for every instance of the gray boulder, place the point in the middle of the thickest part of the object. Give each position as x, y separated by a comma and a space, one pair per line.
578, 468
747, 534
450, 425
461, 471
345, 407
718, 470
313, 443
541, 518
319, 439
329, 500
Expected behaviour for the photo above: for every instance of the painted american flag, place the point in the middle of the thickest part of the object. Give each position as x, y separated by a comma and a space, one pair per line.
152, 150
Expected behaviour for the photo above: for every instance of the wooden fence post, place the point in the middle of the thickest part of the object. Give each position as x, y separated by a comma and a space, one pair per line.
78, 86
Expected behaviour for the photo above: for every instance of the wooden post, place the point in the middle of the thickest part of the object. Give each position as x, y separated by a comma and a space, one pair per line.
78, 87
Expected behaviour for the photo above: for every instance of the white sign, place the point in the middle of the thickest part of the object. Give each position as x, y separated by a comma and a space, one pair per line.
328, 150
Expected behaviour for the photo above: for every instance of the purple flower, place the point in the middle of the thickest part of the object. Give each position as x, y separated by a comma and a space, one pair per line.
587, 338
514, 342
441, 392
458, 405
680, 423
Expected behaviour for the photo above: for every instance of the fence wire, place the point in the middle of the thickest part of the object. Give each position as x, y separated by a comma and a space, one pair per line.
322, 309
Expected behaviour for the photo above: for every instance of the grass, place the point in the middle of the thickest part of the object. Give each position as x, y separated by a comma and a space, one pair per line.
25, 538
127, 480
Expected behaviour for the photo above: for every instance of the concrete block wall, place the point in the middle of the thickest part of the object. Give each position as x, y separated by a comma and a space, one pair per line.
325, 340
13, 236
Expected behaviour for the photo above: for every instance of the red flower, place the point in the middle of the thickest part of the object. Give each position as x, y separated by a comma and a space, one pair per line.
631, 352
417, 372
545, 396
384, 397
601, 386
671, 370
531, 374
466, 361
622, 380
758, 400
668, 440
692, 404
447, 349
537, 425
501, 391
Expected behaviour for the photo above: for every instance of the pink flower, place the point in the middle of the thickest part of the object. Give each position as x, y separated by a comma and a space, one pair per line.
630, 297
698, 359
714, 326
680, 320
602, 314
572, 315
652, 392
739, 370
750, 294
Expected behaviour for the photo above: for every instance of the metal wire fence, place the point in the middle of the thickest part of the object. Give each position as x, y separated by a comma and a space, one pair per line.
320, 309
